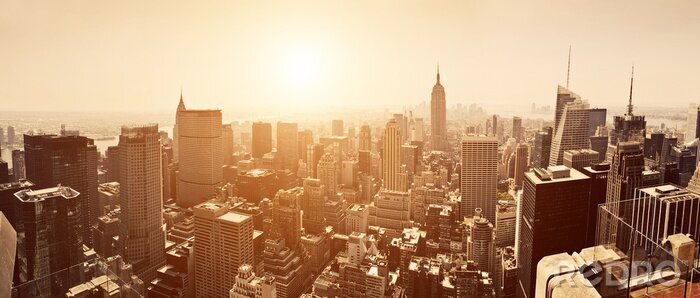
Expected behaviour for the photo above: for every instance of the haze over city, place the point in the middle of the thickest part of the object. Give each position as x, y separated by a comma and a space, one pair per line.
265, 57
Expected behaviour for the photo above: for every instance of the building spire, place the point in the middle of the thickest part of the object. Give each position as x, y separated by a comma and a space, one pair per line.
630, 106
568, 68
438, 72
181, 105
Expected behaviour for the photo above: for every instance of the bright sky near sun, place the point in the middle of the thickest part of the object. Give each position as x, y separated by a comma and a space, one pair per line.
289, 55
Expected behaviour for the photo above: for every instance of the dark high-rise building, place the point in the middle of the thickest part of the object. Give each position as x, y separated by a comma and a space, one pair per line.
553, 219
67, 160
287, 145
542, 148
112, 163
257, 184
597, 118
306, 138
4, 171
8, 199
599, 144
364, 158
262, 139
599, 182
11, 136
518, 129
18, 165
314, 153
653, 144
626, 174
337, 128
628, 127
438, 116
50, 240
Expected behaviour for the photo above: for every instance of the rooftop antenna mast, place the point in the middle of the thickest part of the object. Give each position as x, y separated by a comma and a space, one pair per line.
568, 68
629, 106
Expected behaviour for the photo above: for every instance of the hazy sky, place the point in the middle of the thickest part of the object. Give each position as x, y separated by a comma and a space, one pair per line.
290, 55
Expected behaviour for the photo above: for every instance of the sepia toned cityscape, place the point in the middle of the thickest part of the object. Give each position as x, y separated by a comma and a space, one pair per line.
274, 149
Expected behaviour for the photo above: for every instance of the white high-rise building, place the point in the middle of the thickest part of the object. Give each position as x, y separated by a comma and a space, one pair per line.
250, 286
479, 175
223, 243
328, 174
394, 177
142, 235
200, 155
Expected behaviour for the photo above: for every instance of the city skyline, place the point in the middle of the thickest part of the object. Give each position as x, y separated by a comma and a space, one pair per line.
292, 56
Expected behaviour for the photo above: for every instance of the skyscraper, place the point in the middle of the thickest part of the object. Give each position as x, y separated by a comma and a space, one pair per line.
328, 174
481, 242
365, 138
223, 242
50, 240
337, 128
597, 118
51, 160
287, 145
518, 129
393, 177
262, 139
542, 148
628, 127
226, 143
10, 136
18, 165
176, 138
553, 219
141, 199
438, 116
477, 187
578, 159
564, 97
625, 175
572, 132
306, 138
201, 161
522, 153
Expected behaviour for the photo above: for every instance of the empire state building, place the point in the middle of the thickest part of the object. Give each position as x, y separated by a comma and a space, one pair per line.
438, 117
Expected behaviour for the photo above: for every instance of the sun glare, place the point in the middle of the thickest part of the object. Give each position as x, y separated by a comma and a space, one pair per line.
302, 69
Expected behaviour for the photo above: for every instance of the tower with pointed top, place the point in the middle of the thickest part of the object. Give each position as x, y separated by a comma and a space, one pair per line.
438, 116
180, 108
628, 127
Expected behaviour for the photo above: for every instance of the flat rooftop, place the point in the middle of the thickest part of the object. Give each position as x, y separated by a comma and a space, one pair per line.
234, 217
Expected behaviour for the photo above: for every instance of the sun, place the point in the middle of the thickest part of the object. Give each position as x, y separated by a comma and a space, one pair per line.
302, 68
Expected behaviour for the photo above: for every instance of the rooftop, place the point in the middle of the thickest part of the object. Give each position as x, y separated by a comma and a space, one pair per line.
234, 217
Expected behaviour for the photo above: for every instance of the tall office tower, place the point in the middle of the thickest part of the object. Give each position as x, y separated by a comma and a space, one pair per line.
572, 132
597, 118
200, 158
518, 129
553, 219
314, 152
692, 126
505, 225
393, 177
626, 174
4, 172
312, 204
112, 163
599, 183
494, 123
653, 145
403, 126
250, 286
564, 97
578, 159
51, 160
223, 241
2, 137
305, 138
364, 161
337, 128
479, 176
49, 239
522, 153
438, 116
8, 250
262, 139
227, 144
418, 133
141, 199
599, 143
542, 147
481, 243
628, 127
10, 136
287, 134
18, 165
328, 174
176, 135
285, 256
365, 138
